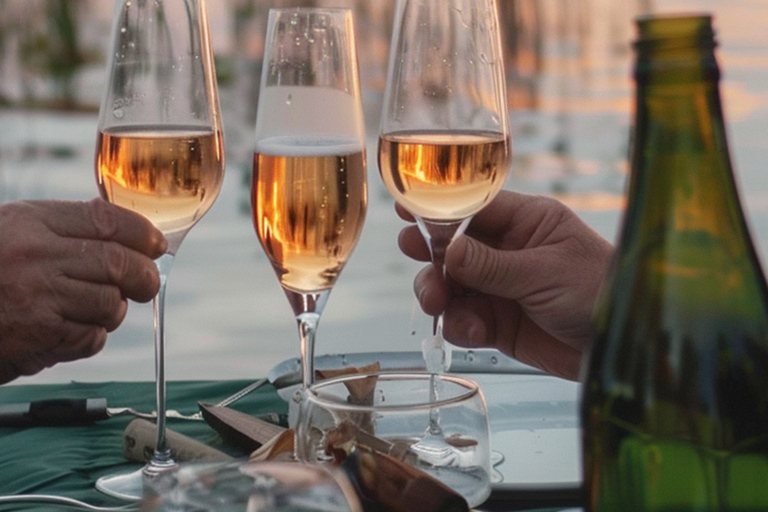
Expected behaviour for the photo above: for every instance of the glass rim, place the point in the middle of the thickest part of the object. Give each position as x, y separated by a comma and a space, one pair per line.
307, 9
470, 390
671, 16
682, 29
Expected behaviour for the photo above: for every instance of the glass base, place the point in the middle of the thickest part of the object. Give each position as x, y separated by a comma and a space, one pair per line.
125, 486
434, 450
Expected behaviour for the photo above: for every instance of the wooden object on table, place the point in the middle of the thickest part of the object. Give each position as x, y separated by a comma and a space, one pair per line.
140, 436
241, 430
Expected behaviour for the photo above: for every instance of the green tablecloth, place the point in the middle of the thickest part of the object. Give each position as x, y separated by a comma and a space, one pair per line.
68, 460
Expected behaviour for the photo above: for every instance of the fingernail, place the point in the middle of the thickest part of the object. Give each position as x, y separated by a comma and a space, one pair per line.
474, 336
162, 245
418, 291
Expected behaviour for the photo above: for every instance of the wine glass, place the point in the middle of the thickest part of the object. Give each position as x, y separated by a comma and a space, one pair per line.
160, 151
265, 486
444, 142
309, 188
385, 413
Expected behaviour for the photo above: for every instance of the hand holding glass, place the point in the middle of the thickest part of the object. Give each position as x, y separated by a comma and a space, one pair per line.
160, 151
444, 145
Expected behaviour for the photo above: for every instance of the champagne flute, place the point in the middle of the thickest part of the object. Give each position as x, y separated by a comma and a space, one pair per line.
444, 144
160, 152
309, 188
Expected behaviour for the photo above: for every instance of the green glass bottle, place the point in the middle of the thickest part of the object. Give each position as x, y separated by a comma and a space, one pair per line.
675, 397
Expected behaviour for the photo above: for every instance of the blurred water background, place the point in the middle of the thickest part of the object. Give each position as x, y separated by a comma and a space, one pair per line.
570, 94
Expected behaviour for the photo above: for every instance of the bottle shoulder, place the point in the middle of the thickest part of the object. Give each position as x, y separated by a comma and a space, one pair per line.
679, 266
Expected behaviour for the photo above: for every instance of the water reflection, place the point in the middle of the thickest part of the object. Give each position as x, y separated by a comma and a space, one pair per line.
570, 93
565, 60
567, 64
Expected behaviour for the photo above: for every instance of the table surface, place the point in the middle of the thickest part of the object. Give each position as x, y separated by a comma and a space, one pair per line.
67, 460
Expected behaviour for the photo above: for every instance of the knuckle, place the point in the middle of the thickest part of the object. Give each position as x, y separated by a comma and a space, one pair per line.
492, 272
23, 315
7, 371
110, 304
117, 315
116, 262
97, 341
19, 209
77, 342
103, 217
549, 203
86, 344
19, 251
557, 214
34, 362
15, 210
49, 332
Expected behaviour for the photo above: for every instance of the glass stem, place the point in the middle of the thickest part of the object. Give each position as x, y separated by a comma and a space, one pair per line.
434, 378
161, 459
438, 236
307, 307
307, 323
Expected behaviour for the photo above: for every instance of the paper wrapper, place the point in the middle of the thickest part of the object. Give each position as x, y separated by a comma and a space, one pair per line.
360, 391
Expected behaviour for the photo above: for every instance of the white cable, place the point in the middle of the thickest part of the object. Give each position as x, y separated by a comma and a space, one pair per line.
63, 500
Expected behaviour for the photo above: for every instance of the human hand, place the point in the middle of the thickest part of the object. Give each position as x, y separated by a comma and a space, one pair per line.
524, 280
66, 272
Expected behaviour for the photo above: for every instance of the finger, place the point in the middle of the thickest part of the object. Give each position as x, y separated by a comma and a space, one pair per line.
517, 219
30, 364
431, 290
91, 303
100, 220
479, 267
412, 244
464, 327
495, 218
403, 213
508, 273
95, 261
536, 348
469, 325
78, 341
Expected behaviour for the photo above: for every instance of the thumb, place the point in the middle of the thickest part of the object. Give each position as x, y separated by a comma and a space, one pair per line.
479, 267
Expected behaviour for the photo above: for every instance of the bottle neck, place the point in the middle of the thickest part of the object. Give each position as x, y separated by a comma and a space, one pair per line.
675, 50
681, 170
683, 219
